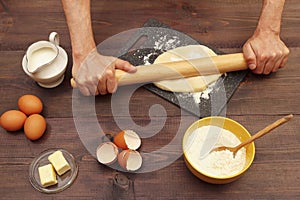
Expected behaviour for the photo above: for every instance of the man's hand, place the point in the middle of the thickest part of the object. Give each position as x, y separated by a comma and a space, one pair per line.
265, 53
96, 73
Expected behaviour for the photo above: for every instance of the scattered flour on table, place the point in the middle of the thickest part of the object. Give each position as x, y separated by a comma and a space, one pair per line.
146, 59
217, 163
197, 96
166, 42
204, 94
163, 43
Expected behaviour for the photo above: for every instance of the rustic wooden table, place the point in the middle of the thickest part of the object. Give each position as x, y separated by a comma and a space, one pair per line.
258, 101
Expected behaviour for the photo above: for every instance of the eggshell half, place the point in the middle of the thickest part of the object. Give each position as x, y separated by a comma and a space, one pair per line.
107, 153
130, 160
127, 139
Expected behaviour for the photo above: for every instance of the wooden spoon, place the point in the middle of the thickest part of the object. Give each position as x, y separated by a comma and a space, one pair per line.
259, 134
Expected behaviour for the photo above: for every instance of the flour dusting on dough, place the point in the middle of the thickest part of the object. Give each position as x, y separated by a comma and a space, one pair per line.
168, 43
191, 84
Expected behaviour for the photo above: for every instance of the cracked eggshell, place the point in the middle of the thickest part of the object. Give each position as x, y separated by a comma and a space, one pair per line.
127, 139
130, 160
107, 153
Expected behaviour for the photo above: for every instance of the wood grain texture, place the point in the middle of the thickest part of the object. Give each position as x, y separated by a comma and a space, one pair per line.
258, 101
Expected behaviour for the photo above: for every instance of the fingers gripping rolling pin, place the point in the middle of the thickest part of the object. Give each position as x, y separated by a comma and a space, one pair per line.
181, 69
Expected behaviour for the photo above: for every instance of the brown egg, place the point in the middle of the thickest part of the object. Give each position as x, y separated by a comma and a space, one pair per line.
30, 104
35, 126
12, 120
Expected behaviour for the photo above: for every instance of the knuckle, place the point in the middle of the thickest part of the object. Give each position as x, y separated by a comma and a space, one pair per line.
263, 57
109, 74
90, 80
273, 55
80, 82
99, 77
287, 51
279, 53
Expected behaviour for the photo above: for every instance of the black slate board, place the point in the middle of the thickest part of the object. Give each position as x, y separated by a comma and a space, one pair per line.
156, 38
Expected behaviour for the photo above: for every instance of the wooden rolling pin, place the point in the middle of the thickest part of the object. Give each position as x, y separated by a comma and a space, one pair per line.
181, 69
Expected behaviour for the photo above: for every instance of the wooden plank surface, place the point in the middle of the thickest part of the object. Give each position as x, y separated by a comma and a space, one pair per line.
224, 25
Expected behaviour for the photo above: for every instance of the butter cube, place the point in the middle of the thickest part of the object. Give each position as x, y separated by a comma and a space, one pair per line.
59, 162
47, 175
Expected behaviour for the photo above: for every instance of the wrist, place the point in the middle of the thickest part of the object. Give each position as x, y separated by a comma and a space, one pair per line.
81, 49
266, 31
79, 53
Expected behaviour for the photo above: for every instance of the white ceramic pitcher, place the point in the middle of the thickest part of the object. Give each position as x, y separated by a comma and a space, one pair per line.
42, 53
45, 62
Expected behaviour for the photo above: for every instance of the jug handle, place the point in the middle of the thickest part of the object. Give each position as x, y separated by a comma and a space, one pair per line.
54, 38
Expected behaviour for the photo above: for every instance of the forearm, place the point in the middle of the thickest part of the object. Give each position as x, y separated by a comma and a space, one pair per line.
270, 18
79, 23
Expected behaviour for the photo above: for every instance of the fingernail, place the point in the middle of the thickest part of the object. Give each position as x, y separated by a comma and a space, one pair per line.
133, 68
252, 66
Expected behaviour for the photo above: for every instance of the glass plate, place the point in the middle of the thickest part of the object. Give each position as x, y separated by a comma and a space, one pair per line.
63, 181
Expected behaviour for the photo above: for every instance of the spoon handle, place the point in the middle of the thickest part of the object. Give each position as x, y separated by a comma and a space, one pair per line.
265, 131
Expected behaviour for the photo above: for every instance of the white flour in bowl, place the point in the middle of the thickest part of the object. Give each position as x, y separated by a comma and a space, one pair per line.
217, 163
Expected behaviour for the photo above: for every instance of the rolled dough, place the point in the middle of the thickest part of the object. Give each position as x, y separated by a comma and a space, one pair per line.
192, 84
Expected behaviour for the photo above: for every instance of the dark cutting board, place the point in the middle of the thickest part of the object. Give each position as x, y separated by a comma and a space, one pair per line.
155, 38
